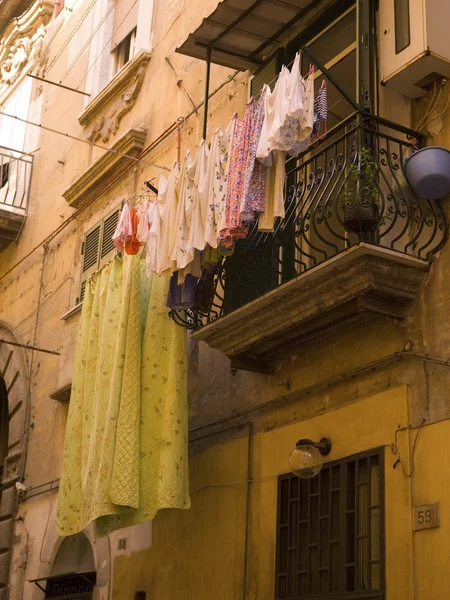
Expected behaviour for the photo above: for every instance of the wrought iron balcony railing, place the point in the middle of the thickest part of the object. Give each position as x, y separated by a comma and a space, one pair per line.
15, 177
348, 189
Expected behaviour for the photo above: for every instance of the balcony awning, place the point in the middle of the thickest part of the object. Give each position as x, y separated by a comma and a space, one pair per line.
244, 33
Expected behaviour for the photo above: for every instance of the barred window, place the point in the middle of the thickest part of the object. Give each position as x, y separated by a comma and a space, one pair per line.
79, 586
330, 531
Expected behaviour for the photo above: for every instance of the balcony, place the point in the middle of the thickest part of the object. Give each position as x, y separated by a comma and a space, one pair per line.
15, 177
355, 243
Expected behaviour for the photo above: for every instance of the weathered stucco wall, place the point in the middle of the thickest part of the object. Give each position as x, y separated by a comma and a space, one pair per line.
200, 553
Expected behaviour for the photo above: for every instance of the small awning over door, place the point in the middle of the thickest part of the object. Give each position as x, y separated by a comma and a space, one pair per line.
244, 33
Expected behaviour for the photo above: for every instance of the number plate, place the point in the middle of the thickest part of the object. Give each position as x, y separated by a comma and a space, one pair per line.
426, 516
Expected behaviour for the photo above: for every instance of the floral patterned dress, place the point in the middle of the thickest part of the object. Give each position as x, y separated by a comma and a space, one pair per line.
245, 192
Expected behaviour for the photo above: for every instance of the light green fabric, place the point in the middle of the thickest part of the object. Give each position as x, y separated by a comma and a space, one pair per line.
125, 453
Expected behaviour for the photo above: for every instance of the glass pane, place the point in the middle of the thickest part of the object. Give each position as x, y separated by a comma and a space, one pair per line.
350, 579
292, 573
375, 582
314, 570
282, 587
374, 481
303, 584
363, 565
283, 550
335, 478
324, 543
375, 534
362, 470
335, 503
362, 510
284, 502
351, 485
304, 493
293, 523
402, 26
350, 539
324, 492
324, 582
333, 42
303, 547
335, 561
294, 488
314, 521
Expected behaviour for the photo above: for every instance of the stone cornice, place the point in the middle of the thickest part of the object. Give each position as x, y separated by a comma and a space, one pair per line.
355, 285
98, 174
62, 394
22, 46
103, 114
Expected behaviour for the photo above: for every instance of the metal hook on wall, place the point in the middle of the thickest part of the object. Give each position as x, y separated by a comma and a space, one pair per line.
180, 121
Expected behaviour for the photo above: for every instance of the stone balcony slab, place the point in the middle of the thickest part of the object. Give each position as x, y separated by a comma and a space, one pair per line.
357, 284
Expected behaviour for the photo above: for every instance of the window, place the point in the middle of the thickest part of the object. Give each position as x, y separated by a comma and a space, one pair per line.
330, 537
124, 51
79, 586
124, 32
402, 25
97, 249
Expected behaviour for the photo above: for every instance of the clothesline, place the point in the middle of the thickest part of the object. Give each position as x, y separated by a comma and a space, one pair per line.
209, 198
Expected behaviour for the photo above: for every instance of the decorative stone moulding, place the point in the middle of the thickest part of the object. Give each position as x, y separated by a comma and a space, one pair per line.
22, 46
101, 118
354, 286
101, 171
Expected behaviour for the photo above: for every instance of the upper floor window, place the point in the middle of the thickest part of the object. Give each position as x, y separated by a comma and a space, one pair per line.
330, 531
124, 32
124, 52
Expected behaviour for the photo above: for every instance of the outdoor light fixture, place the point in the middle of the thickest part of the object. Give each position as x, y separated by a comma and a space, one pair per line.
305, 460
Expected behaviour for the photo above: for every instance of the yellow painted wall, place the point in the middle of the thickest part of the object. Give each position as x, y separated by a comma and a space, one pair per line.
198, 554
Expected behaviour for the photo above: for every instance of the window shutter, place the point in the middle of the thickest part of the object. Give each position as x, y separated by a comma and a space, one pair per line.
125, 20
107, 248
90, 251
266, 75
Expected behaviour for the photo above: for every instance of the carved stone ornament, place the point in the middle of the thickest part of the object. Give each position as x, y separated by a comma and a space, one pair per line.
22, 46
103, 115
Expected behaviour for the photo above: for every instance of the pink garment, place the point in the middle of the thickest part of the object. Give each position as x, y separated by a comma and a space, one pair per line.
124, 229
253, 200
243, 179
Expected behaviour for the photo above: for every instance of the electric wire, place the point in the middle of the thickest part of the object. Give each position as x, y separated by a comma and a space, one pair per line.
70, 37
77, 139
89, 40
108, 43
140, 156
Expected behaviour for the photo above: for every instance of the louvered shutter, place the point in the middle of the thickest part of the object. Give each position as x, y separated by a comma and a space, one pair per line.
125, 19
90, 250
267, 75
107, 248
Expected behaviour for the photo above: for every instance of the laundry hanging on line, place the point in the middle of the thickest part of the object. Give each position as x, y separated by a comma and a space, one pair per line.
210, 198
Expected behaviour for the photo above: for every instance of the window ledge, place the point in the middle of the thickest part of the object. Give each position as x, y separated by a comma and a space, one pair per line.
99, 174
62, 394
73, 311
104, 113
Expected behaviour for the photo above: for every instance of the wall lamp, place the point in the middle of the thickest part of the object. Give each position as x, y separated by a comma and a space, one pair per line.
305, 460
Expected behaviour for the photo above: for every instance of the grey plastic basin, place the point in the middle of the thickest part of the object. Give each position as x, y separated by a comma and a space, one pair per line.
428, 172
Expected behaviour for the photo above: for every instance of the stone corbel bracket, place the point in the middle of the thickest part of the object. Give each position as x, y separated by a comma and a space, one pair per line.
22, 45
98, 176
101, 118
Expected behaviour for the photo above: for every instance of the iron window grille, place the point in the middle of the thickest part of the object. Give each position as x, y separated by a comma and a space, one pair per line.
330, 532
74, 586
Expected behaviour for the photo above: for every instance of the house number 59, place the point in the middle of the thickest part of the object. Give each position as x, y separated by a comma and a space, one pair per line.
426, 516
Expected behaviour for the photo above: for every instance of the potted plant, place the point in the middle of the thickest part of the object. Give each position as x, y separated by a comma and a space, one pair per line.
359, 198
